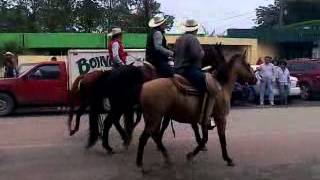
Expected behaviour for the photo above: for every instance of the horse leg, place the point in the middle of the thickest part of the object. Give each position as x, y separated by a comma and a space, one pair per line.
129, 124
93, 128
164, 126
142, 143
152, 125
116, 121
202, 143
110, 119
139, 116
196, 131
80, 112
105, 142
158, 140
221, 126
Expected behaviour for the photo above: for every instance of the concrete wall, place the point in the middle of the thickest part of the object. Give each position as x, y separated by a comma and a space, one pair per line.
37, 58
231, 45
267, 50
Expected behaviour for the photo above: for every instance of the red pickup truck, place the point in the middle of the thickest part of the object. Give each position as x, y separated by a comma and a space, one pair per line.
43, 84
48, 83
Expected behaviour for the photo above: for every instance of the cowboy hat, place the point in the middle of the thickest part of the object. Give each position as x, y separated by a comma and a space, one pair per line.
8, 54
156, 21
190, 25
115, 31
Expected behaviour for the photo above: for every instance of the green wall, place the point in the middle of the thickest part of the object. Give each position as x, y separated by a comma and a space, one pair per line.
16, 38
69, 40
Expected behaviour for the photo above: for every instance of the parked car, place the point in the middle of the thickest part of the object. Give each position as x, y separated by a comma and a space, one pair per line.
308, 74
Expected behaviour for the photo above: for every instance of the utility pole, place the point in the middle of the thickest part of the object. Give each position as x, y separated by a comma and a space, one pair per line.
282, 9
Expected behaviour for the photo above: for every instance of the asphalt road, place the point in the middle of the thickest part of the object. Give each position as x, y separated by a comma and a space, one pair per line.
265, 143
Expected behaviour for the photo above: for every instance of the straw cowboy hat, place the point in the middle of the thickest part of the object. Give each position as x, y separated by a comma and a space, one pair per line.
190, 25
115, 31
157, 21
8, 54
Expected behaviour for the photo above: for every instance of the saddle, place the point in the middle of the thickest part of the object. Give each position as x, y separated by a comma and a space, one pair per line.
184, 85
186, 88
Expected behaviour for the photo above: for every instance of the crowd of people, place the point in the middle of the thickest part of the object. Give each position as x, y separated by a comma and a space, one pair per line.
268, 74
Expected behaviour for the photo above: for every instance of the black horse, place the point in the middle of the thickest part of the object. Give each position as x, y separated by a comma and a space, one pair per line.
122, 87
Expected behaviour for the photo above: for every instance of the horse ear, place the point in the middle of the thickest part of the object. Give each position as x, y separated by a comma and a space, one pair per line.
245, 53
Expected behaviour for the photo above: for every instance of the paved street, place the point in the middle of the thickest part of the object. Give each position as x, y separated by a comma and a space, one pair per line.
265, 143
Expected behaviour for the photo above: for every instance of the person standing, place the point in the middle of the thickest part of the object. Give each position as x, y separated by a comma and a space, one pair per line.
259, 61
157, 52
54, 59
283, 81
267, 72
117, 54
10, 65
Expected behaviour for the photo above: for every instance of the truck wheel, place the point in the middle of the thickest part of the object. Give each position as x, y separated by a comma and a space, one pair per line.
6, 104
305, 92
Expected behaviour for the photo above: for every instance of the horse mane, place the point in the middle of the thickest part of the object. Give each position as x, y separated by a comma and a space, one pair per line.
215, 58
233, 60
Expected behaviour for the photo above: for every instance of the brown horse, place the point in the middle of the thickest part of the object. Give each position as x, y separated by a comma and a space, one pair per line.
79, 94
159, 98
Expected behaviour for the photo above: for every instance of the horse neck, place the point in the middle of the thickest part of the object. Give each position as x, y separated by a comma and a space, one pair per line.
229, 86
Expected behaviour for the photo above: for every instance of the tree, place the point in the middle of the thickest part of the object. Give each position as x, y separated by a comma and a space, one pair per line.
77, 15
57, 15
268, 16
89, 16
143, 11
292, 11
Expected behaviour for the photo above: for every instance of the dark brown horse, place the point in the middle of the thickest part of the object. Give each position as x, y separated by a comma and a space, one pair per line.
80, 91
122, 88
185, 111
79, 95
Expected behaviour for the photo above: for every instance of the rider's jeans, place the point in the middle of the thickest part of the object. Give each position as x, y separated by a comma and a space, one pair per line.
195, 76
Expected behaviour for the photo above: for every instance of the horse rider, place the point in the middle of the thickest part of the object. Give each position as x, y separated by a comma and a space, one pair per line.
157, 52
10, 65
188, 62
117, 54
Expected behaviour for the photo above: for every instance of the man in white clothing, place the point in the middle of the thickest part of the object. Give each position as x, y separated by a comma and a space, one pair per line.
283, 81
267, 72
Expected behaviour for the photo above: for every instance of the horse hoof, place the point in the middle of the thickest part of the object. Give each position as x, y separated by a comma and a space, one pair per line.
189, 156
210, 127
204, 149
108, 149
72, 132
231, 164
111, 152
168, 162
90, 145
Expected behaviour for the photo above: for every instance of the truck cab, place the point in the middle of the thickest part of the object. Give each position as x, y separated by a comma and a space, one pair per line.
41, 84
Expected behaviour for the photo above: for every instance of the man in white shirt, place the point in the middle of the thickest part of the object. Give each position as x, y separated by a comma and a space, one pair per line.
283, 81
267, 72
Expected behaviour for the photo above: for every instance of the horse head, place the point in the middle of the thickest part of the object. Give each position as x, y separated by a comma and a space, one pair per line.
240, 68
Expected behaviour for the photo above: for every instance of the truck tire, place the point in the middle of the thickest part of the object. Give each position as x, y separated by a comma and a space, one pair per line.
6, 104
306, 93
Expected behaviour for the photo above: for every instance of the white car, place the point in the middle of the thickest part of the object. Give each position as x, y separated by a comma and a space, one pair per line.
294, 88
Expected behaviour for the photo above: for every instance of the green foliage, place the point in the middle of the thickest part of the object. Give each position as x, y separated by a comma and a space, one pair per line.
294, 11
77, 15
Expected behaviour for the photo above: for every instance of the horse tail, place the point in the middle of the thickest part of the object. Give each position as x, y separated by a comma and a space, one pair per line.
73, 96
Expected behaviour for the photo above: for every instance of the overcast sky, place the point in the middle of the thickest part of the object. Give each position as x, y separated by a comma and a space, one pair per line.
217, 15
